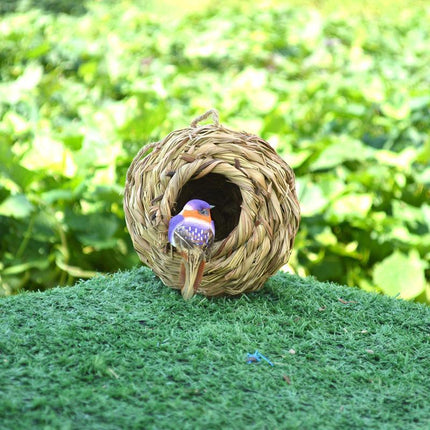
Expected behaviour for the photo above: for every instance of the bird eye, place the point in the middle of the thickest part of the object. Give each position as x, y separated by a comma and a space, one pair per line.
204, 211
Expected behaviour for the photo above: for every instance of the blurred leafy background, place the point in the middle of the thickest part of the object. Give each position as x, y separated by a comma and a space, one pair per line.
341, 91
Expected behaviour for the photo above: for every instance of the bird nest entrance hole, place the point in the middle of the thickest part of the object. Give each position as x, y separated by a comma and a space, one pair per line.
217, 190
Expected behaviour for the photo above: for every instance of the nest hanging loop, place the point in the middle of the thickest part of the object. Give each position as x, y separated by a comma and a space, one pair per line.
207, 114
256, 210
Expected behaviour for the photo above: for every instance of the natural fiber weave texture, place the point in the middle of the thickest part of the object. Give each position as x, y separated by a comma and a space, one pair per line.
256, 210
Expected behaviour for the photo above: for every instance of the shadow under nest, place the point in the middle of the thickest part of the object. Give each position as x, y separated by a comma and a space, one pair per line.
217, 190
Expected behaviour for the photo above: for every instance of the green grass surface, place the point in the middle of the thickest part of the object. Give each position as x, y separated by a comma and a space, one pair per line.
124, 352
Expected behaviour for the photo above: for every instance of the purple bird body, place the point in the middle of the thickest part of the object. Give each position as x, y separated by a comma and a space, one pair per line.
192, 233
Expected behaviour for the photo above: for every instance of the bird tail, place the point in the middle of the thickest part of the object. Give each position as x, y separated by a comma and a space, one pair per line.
192, 268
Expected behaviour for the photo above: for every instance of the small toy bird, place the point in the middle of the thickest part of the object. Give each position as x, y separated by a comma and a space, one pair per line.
192, 233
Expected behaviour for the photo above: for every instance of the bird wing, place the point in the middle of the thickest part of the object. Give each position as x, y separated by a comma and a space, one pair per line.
183, 238
208, 248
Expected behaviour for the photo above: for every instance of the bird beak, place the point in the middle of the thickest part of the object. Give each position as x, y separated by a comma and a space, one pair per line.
211, 206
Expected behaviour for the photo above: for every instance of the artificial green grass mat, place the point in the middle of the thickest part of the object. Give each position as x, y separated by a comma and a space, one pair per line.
125, 352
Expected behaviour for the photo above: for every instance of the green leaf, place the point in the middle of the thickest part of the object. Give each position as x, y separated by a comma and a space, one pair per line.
53, 196
350, 206
10, 168
73, 141
332, 186
401, 274
294, 159
424, 155
312, 199
12, 92
410, 215
426, 215
16, 206
94, 229
397, 108
49, 154
402, 160
342, 149
326, 237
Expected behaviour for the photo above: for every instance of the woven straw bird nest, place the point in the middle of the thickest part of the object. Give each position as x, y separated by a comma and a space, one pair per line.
256, 210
